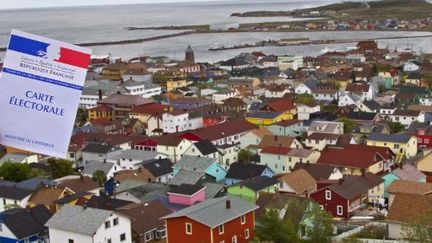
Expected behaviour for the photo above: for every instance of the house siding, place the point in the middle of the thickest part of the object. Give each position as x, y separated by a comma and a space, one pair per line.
331, 205
235, 228
176, 231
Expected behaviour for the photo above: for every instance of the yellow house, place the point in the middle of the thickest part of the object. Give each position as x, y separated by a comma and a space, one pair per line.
400, 144
98, 112
174, 84
48, 195
263, 118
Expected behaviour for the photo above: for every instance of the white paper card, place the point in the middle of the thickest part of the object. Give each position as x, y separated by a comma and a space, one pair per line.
40, 87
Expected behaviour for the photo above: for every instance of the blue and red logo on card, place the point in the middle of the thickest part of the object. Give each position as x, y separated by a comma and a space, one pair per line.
49, 51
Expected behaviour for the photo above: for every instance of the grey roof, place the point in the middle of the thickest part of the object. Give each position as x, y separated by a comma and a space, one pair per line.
409, 173
135, 154
258, 183
13, 192
189, 162
78, 219
212, 189
148, 191
92, 166
100, 148
205, 147
33, 183
129, 184
16, 158
213, 212
396, 138
187, 177
158, 167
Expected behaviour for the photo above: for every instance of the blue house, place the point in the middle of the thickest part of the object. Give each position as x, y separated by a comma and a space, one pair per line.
24, 225
209, 166
240, 171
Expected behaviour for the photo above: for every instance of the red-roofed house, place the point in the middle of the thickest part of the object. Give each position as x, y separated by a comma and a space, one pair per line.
357, 159
101, 111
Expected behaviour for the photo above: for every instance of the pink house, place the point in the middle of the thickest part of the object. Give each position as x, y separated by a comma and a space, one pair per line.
186, 194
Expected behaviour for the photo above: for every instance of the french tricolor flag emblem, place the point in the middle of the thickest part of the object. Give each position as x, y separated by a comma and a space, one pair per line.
49, 51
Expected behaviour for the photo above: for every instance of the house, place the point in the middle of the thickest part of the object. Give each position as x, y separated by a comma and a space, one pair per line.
273, 112
186, 194
209, 166
282, 159
251, 139
249, 189
181, 120
132, 158
99, 152
325, 93
80, 184
406, 172
348, 194
307, 86
364, 90
423, 133
122, 104
325, 127
290, 128
401, 144
231, 220
191, 177
370, 106
371, 159
319, 141
240, 171
228, 132
12, 196
279, 141
348, 99
175, 83
228, 154
407, 117
172, 146
48, 195
19, 158
189, 103
405, 209
305, 110
87, 225
320, 172
298, 182
108, 168
203, 148
24, 225
410, 187
159, 169
145, 220
234, 104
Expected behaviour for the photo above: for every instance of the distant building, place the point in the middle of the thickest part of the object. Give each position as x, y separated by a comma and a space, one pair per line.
189, 55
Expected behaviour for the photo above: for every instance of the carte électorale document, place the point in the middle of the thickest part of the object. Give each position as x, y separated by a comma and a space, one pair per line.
40, 87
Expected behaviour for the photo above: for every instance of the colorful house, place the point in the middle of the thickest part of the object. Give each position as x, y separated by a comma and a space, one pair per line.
240, 171
273, 112
210, 166
186, 194
101, 111
223, 219
402, 145
406, 172
249, 189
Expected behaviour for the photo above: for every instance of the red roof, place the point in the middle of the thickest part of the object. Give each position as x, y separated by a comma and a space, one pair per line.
281, 105
81, 138
357, 87
359, 156
286, 123
151, 109
101, 108
276, 150
102, 122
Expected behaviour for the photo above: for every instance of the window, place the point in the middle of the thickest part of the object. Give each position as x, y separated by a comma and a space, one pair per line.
243, 219
188, 228
123, 237
109, 241
426, 140
107, 224
115, 221
221, 229
70, 241
148, 236
246, 234
234, 239
339, 210
328, 195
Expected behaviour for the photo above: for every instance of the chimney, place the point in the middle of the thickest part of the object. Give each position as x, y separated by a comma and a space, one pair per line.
363, 172
228, 204
81, 177
139, 169
341, 181
84, 206
100, 94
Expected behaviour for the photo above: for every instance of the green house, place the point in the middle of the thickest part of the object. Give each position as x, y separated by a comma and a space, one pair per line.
250, 189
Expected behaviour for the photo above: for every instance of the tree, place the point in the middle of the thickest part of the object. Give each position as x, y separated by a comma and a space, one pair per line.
395, 127
348, 124
99, 177
60, 167
272, 228
295, 211
304, 99
321, 227
418, 228
15, 171
245, 155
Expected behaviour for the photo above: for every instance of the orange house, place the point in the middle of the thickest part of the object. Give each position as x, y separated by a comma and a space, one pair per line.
224, 219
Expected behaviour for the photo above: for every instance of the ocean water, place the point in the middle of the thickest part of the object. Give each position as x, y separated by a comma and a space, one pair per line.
107, 23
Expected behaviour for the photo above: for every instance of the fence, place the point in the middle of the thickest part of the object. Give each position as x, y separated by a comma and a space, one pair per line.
344, 237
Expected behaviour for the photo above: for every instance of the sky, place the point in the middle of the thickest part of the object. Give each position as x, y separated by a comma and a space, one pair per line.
19, 4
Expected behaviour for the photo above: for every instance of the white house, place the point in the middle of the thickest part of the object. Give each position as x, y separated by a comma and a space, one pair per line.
172, 147
203, 148
304, 110
253, 137
349, 99
179, 121
411, 66
326, 127
220, 97
228, 154
406, 117
12, 195
131, 159
81, 224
